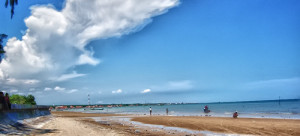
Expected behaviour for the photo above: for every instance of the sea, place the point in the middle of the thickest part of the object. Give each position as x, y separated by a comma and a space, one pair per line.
282, 109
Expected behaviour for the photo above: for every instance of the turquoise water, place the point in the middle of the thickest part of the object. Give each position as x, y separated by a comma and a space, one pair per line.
288, 109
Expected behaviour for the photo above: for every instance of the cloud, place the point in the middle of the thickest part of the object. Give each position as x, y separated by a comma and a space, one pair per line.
85, 59
175, 86
69, 76
146, 91
26, 82
72, 91
55, 41
14, 91
47, 89
61, 90
57, 88
117, 91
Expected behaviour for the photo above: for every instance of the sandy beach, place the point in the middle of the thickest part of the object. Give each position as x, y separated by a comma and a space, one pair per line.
77, 124
252, 126
65, 126
73, 123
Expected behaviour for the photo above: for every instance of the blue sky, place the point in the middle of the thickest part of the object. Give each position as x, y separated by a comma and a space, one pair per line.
174, 51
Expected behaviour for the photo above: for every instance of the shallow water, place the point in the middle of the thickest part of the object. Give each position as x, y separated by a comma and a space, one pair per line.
287, 109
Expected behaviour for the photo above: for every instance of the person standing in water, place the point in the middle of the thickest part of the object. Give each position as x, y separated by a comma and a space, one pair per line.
167, 111
150, 109
206, 110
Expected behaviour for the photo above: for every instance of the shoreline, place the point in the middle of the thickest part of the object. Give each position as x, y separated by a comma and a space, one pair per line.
241, 115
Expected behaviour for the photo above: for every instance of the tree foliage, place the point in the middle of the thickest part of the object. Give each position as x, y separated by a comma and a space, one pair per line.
30, 100
12, 4
22, 99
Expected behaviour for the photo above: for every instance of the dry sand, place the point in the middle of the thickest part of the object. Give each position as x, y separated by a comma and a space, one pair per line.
253, 126
63, 126
63, 123
77, 124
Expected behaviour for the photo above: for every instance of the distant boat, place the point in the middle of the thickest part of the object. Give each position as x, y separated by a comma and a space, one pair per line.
93, 109
97, 109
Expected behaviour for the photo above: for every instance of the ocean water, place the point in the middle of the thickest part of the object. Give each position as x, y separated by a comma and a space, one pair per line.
286, 109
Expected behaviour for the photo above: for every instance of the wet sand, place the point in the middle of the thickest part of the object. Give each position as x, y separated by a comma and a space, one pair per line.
252, 126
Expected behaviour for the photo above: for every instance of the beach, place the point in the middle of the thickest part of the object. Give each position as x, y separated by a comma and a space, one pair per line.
252, 126
75, 123
67, 126
62, 123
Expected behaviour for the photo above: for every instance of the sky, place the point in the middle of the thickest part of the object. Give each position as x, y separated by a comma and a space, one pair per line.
133, 51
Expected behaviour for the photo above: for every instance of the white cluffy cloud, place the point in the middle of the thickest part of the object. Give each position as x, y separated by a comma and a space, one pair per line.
55, 41
117, 91
146, 91
69, 76
61, 89
47, 89
72, 91
57, 88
